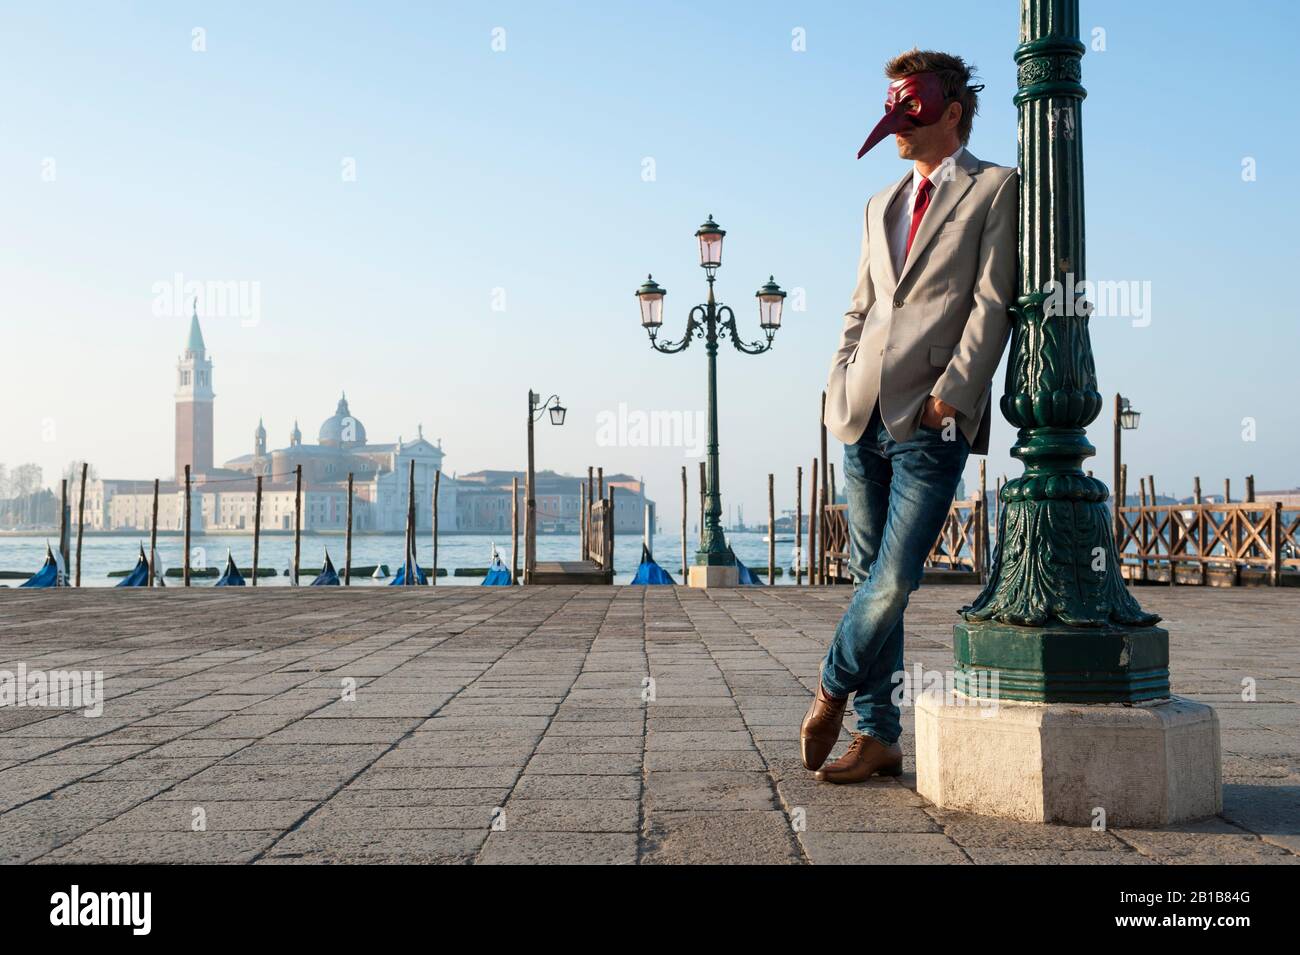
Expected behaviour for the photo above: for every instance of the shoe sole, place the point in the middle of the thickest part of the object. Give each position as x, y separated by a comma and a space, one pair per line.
890, 771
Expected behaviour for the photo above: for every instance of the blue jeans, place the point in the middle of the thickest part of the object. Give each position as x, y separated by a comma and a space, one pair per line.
898, 494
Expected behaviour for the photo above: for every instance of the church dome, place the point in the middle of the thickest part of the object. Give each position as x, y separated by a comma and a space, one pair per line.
341, 430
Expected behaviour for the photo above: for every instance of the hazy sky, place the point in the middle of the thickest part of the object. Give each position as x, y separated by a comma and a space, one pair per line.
436, 224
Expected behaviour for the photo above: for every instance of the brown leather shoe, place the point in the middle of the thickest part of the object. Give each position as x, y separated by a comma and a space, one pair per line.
820, 729
866, 757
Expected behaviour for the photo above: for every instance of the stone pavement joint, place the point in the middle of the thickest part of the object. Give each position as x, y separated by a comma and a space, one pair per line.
550, 725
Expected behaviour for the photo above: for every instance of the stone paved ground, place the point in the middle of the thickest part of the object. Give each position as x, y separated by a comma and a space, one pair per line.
524, 707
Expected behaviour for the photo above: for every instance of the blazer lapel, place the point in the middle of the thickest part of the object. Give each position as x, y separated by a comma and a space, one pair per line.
879, 235
946, 199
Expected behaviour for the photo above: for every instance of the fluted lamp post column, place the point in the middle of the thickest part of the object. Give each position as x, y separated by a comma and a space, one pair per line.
1062, 710
715, 563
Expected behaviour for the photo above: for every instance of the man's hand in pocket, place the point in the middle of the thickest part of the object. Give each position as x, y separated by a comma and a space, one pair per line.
936, 411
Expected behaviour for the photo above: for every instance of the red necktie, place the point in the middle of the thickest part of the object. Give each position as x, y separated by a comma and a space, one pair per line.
919, 205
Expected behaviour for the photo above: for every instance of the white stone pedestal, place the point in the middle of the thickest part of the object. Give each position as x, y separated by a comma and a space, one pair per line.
713, 575
1150, 764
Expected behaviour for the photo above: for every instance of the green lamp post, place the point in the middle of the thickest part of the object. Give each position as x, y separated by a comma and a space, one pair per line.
714, 561
1055, 621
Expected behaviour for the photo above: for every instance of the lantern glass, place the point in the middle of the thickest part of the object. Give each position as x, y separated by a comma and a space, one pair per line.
769, 311
557, 413
711, 249
1128, 419
652, 309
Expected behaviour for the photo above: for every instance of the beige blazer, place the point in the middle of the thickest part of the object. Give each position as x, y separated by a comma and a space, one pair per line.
938, 328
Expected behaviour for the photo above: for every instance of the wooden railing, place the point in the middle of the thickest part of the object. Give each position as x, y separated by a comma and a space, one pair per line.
600, 534
962, 544
1230, 537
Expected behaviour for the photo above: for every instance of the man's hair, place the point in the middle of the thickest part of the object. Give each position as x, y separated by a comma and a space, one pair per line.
954, 74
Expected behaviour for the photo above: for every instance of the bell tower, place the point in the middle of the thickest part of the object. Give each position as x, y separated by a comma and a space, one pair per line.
194, 403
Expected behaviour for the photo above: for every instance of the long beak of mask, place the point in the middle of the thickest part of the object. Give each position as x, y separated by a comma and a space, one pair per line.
912, 101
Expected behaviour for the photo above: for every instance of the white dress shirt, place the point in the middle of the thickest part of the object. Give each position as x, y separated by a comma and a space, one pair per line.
898, 217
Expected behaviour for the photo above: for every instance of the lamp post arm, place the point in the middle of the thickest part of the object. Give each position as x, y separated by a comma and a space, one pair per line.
540, 409
693, 325
749, 348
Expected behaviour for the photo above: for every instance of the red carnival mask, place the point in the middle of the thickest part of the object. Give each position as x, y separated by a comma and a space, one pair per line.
915, 100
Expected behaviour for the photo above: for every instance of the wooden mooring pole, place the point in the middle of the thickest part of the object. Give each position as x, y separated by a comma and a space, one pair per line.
798, 525
153, 536
684, 506
437, 483
347, 538
409, 570
81, 518
813, 570
64, 515
297, 522
186, 571
257, 527
514, 530
771, 529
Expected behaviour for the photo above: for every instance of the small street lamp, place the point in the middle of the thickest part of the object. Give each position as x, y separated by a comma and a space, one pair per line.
536, 407
715, 564
1126, 419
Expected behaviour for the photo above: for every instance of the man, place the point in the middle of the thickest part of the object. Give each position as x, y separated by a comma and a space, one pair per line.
909, 387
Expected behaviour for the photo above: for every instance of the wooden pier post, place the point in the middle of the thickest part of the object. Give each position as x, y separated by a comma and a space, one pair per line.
822, 499
297, 522
437, 483
798, 525
1142, 523
613, 526
153, 536
771, 529
81, 518
186, 571
514, 530
257, 527
684, 500
1227, 490
833, 498
347, 539
1196, 489
1250, 488
1275, 545
591, 499
600, 481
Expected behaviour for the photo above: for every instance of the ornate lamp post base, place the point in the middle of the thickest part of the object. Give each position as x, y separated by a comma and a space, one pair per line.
1061, 664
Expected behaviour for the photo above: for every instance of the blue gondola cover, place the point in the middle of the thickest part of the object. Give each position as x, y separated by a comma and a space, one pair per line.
498, 574
399, 579
139, 576
50, 574
747, 576
230, 577
328, 576
649, 572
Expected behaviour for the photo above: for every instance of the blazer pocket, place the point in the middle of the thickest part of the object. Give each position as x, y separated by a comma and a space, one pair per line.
940, 355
